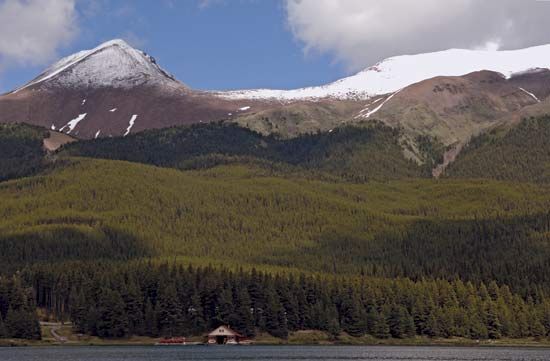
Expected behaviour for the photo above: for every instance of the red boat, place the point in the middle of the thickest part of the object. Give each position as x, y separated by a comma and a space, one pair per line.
171, 341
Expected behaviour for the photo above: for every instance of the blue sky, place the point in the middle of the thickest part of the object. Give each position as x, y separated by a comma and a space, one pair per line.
233, 44
215, 45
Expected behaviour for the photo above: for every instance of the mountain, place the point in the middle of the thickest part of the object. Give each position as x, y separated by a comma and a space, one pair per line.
445, 97
111, 90
455, 109
393, 74
317, 213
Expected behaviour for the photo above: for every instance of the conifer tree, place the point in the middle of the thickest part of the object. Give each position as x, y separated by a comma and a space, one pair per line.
3, 330
168, 312
354, 317
380, 326
150, 320
133, 308
195, 320
112, 321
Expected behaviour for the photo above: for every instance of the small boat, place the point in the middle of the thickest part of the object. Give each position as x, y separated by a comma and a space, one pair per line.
171, 341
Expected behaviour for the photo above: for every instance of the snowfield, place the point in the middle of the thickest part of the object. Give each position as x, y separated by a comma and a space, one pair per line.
393, 74
111, 64
116, 64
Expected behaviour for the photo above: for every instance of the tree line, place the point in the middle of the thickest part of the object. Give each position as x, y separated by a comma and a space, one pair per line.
357, 153
18, 317
145, 298
521, 153
21, 152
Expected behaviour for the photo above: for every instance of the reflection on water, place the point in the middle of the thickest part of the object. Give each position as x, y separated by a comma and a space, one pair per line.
278, 353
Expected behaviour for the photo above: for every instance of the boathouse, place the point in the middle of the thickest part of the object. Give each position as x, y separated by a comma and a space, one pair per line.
224, 335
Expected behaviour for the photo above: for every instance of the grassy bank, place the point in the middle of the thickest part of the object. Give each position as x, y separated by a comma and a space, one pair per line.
309, 337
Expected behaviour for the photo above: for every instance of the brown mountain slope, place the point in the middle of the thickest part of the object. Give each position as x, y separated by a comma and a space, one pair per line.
108, 111
453, 109
115, 90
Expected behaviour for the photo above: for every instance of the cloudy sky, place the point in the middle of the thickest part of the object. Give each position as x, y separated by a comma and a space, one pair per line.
223, 44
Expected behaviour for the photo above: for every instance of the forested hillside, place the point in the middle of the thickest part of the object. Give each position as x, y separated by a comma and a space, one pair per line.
355, 153
346, 235
21, 151
143, 298
519, 154
18, 316
95, 209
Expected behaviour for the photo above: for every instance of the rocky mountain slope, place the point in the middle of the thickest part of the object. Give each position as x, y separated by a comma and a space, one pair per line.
446, 97
111, 90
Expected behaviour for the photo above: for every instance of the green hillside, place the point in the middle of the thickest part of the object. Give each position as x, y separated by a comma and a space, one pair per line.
94, 209
346, 233
519, 154
21, 151
355, 153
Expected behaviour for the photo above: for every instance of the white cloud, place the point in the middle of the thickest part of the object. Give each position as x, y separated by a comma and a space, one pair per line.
361, 32
31, 31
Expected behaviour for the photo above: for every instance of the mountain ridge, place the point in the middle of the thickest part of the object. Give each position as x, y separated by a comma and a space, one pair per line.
392, 74
116, 90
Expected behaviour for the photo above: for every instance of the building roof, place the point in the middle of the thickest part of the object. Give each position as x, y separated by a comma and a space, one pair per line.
224, 331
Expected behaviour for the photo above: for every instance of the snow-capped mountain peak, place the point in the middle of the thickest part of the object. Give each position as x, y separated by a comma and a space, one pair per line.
393, 74
111, 64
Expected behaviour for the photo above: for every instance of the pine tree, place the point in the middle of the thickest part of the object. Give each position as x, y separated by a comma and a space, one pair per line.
194, 319
400, 322
78, 311
168, 312
493, 322
3, 331
538, 330
224, 307
150, 320
112, 321
354, 317
381, 328
133, 308
241, 319
275, 317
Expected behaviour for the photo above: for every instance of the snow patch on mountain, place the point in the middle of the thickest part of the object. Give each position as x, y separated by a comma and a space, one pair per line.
131, 124
111, 64
375, 110
395, 73
530, 94
73, 123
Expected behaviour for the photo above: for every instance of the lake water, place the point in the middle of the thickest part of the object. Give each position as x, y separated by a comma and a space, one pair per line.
275, 353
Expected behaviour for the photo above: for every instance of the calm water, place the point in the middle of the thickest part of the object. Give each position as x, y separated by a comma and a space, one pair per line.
279, 353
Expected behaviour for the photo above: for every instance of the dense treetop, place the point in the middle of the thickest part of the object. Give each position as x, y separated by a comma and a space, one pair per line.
521, 153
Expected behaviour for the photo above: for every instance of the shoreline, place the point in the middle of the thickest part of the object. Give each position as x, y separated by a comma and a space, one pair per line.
57, 335
415, 342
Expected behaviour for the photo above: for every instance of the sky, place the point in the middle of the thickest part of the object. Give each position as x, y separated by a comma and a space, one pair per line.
235, 44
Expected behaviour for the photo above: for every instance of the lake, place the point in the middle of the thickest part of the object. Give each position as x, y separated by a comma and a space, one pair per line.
275, 353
